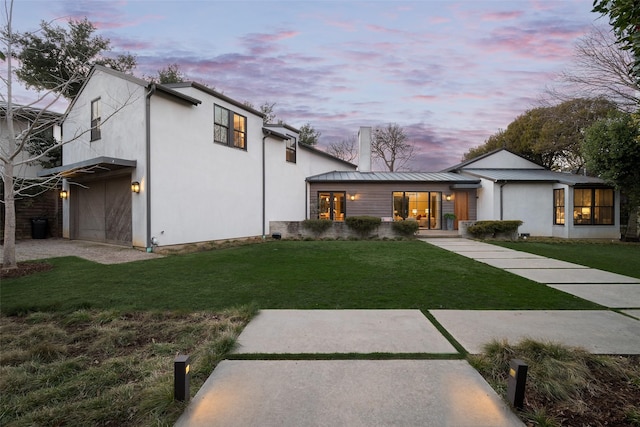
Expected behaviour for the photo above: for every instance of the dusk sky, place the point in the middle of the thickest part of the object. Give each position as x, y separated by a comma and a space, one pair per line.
451, 73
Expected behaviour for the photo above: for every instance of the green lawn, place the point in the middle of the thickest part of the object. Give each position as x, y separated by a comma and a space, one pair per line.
617, 257
285, 274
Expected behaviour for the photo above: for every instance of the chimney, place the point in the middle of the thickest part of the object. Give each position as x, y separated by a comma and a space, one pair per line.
364, 149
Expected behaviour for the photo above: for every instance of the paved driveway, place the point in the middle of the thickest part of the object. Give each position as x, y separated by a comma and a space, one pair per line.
28, 250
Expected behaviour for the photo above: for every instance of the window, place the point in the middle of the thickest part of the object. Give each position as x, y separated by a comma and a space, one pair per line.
95, 119
331, 205
423, 206
593, 206
224, 133
558, 206
291, 149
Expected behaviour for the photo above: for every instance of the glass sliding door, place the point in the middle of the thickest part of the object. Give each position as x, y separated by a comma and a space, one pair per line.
423, 206
331, 205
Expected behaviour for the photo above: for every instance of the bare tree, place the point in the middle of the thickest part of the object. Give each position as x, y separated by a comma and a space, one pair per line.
390, 145
600, 69
345, 149
23, 123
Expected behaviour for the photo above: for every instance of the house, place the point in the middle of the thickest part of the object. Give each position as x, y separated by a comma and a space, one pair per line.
497, 186
34, 197
158, 165
553, 204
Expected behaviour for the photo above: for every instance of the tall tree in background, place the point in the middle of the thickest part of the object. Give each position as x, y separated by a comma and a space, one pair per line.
169, 74
550, 136
308, 135
600, 68
612, 150
389, 144
345, 149
267, 108
624, 17
58, 59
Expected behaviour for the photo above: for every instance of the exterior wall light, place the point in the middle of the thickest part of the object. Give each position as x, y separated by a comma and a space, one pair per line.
448, 197
64, 194
353, 197
135, 186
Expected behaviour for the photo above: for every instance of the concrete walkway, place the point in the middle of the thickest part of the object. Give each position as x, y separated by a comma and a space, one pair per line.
408, 387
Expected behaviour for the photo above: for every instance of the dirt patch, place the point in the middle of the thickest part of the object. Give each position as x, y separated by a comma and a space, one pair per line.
24, 269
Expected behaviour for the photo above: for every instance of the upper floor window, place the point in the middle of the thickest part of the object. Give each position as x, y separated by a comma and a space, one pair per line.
593, 206
291, 149
558, 206
95, 119
229, 128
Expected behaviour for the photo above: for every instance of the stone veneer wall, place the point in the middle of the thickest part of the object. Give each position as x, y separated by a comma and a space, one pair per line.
339, 230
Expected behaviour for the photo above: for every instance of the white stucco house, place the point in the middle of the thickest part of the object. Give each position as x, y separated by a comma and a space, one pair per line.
149, 164
497, 186
553, 204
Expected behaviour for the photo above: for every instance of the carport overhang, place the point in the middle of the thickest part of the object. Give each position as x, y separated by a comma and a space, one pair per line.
89, 167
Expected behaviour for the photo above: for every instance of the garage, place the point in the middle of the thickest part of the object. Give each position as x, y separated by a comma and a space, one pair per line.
102, 210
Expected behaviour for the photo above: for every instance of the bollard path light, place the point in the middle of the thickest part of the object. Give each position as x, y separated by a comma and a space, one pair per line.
516, 382
181, 377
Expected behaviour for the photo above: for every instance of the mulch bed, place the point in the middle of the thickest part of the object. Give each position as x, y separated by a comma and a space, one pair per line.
24, 269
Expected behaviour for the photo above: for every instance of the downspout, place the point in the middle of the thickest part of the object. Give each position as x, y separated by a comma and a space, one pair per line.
502, 184
264, 191
147, 188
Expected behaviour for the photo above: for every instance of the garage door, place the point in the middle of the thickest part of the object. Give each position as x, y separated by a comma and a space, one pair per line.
103, 211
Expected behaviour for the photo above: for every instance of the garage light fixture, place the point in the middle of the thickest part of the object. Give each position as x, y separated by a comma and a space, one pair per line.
64, 194
135, 186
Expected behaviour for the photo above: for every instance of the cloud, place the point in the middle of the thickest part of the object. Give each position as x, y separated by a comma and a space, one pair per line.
501, 16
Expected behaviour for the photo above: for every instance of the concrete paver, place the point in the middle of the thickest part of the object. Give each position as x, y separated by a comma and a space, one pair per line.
634, 313
572, 275
599, 332
610, 295
342, 331
482, 255
347, 393
529, 263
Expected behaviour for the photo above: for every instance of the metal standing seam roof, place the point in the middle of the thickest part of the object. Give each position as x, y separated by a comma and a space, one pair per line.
356, 176
533, 175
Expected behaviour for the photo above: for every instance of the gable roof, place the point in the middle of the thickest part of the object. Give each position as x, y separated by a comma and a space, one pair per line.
213, 92
324, 154
390, 177
500, 152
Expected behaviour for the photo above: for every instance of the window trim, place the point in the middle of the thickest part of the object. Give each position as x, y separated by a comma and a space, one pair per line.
593, 206
562, 206
230, 129
95, 132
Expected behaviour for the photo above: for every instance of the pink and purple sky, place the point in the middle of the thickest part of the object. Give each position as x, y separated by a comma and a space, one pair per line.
451, 73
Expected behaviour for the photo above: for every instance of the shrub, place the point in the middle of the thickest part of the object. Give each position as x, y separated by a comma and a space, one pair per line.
363, 224
317, 226
449, 216
491, 228
405, 228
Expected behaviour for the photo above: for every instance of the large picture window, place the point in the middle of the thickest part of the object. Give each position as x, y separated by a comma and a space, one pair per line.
331, 205
229, 128
593, 206
95, 119
558, 206
423, 206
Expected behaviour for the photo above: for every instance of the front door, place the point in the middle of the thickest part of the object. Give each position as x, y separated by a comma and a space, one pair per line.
460, 207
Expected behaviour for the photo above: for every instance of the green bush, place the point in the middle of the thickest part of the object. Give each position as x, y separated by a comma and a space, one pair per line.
405, 228
449, 216
491, 228
317, 226
363, 224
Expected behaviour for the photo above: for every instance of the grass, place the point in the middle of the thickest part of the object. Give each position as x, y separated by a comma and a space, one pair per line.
565, 385
285, 274
84, 337
58, 369
616, 257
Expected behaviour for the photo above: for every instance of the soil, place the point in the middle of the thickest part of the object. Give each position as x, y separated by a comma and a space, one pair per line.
24, 269
609, 401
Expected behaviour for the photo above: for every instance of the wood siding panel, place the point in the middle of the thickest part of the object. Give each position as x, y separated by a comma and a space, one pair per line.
376, 199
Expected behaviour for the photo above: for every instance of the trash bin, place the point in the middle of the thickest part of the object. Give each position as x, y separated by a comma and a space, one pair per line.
39, 228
